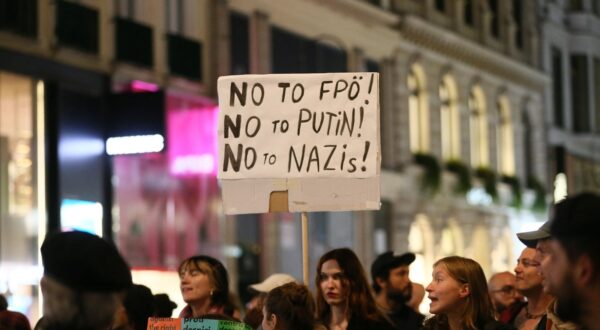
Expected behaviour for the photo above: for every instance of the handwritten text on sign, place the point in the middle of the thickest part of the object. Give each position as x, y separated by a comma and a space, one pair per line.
298, 125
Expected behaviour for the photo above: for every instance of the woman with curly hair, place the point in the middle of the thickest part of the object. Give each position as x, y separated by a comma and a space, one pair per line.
204, 285
289, 307
344, 298
459, 297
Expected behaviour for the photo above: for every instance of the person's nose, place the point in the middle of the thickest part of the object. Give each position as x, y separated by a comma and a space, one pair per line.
429, 287
518, 268
184, 278
329, 283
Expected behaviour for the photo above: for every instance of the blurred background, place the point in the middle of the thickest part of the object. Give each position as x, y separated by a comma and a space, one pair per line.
490, 112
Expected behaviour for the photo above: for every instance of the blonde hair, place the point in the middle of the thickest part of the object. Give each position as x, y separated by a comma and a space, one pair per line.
478, 304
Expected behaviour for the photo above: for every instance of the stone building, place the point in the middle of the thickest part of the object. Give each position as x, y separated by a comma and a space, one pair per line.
464, 99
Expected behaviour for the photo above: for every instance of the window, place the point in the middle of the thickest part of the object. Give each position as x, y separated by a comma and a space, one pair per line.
557, 87
506, 151
576, 5
440, 5
19, 17
517, 11
495, 18
579, 100
478, 128
469, 12
450, 121
239, 43
418, 117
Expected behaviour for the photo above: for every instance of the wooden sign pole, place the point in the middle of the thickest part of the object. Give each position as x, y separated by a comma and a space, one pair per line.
305, 254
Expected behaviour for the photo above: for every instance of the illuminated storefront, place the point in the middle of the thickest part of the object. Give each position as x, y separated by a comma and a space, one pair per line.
21, 189
167, 204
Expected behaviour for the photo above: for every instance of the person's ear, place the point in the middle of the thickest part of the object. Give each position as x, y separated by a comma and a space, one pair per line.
273, 321
381, 282
464, 291
583, 272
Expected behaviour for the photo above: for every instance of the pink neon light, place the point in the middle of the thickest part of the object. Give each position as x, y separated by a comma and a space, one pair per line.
142, 86
191, 136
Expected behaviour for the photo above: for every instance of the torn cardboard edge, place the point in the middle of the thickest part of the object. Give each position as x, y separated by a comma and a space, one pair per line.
300, 195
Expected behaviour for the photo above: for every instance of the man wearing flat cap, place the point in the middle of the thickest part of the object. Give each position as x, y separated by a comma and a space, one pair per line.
84, 282
541, 241
572, 266
393, 289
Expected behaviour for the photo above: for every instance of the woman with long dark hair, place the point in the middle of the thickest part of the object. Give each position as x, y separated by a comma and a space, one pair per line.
344, 299
459, 297
204, 285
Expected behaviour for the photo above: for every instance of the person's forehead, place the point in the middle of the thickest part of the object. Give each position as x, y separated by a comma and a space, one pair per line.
528, 253
400, 268
195, 265
330, 266
440, 269
504, 278
544, 243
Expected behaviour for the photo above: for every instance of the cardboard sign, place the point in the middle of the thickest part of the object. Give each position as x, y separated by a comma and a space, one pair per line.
159, 323
293, 133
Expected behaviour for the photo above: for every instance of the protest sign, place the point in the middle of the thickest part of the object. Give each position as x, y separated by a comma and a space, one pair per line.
159, 323
313, 136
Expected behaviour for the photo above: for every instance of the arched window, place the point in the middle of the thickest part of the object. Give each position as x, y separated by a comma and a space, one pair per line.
450, 123
478, 128
506, 149
417, 108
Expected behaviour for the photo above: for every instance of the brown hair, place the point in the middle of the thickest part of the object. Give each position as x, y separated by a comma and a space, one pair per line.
293, 305
360, 303
217, 275
478, 308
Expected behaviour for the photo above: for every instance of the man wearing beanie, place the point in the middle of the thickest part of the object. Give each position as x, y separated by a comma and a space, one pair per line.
84, 282
393, 289
572, 267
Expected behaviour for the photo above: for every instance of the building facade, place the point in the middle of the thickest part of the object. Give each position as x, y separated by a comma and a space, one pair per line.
464, 100
571, 57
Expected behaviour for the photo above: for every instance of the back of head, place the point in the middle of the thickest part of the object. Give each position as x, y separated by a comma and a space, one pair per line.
13, 321
3, 303
163, 306
576, 225
293, 305
360, 301
84, 262
478, 307
216, 273
83, 278
139, 306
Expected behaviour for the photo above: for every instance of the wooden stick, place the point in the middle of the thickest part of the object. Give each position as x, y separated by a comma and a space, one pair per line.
305, 254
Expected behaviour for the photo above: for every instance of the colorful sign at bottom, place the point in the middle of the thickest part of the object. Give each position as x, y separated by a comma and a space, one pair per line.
160, 323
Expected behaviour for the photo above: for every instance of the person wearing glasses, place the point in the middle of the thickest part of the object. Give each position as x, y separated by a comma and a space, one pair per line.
506, 299
529, 284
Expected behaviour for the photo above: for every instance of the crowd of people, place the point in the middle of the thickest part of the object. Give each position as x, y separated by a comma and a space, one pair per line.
556, 285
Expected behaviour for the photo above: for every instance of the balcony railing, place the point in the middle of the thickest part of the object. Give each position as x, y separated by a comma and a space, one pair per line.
19, 17
77, 26
185, 57
134, 42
